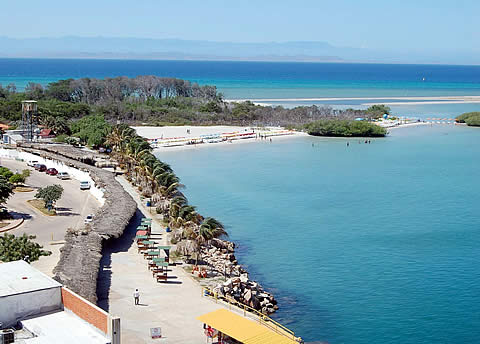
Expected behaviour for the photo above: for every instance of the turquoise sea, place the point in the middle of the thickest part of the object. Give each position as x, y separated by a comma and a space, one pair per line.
278, 80
371, 243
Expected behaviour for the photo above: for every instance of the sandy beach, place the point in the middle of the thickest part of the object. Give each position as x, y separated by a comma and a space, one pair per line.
195, 131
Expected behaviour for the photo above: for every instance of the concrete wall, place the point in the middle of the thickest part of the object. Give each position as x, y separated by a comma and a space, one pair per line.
73, 172
86, 310
18, 307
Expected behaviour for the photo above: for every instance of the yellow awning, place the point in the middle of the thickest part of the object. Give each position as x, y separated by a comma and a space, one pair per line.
241, 329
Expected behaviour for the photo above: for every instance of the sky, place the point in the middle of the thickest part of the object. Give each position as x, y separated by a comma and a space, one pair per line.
406, 25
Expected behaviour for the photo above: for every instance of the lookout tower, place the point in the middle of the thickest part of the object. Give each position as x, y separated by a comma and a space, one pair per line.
29, 114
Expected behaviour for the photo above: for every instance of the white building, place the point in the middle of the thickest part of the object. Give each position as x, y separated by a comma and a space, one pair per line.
42, 311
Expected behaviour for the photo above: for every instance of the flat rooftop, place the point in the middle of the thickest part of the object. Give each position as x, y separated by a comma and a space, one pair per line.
60, 328
19, 277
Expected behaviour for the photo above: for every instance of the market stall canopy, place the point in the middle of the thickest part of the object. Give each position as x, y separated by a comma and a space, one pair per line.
242, 329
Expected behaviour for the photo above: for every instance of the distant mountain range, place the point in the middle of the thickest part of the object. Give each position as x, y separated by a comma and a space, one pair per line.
176, 49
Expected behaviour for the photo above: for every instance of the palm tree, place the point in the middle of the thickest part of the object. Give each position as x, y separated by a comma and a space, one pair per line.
184, 216
117, 138
208, 230
136, 148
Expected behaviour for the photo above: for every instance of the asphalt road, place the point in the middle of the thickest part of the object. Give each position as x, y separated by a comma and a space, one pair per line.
72, 209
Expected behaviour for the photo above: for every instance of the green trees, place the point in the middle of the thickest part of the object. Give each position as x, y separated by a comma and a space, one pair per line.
157, 181
91, 130
50, 194
16, 248
470, 118
19, 178
208, 230
6, 189
5, 172
345, 128
377, 111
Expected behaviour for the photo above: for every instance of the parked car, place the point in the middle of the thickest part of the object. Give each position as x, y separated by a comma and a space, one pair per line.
63, 175
32, 163
84, 185
52, 171
40, 167
89, 218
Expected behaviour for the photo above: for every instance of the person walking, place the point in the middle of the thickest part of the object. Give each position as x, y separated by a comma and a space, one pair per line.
136, 296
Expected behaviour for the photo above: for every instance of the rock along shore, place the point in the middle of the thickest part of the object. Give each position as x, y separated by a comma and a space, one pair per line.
221, 258
79, 262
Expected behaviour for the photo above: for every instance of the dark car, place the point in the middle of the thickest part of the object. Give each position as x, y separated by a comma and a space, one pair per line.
52, 171
40, 167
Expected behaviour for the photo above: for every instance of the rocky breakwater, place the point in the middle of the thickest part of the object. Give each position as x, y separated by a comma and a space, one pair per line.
247, 292
220, 257
80, 257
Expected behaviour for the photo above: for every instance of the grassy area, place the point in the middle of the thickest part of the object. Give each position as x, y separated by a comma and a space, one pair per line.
40, 205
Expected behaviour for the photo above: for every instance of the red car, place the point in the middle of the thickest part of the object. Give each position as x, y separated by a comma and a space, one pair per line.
52, 171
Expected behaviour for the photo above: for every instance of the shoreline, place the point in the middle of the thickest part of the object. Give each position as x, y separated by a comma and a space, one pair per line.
150, 132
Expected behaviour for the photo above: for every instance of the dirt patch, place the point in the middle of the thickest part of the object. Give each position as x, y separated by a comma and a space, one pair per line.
23, 189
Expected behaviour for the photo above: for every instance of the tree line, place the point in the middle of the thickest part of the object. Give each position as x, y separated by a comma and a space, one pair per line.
156, 101
156, 180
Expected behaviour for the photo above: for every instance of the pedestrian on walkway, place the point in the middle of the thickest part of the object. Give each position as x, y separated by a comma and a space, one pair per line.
136, 296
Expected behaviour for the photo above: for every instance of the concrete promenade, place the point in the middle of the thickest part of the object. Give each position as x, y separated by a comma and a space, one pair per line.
173, 306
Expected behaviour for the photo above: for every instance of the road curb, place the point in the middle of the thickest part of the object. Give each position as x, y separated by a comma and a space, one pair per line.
13, 225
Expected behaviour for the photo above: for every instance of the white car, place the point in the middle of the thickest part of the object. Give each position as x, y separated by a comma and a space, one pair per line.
32, 163
85, 185
63, 175
89, 218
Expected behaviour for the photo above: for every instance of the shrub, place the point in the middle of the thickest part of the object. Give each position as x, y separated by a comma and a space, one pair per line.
377, 111
17, 179
16, 248
60, 138
470, 118
473, 120
345, 128
5, 172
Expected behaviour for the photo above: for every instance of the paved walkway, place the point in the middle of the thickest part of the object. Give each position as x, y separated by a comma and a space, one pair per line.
173, 306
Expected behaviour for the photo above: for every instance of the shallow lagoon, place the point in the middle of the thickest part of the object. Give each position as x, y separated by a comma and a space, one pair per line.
371, 242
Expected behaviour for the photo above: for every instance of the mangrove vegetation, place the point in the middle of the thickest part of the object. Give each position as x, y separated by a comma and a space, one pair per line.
469, 118
345, 128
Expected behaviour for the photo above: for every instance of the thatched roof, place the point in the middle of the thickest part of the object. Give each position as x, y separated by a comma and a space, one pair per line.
80, 258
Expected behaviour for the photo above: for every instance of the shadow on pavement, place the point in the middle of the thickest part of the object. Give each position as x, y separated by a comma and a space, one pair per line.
121, 244
17, 215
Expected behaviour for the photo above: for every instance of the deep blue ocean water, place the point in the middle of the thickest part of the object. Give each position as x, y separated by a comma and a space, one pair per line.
371, 243
260, 80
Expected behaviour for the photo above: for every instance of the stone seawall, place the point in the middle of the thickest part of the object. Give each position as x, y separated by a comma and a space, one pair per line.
79, 262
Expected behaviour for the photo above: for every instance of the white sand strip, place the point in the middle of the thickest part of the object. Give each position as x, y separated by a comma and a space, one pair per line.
196, 131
